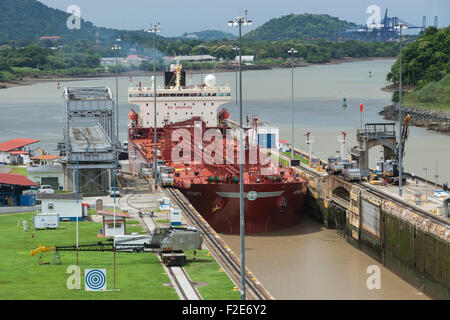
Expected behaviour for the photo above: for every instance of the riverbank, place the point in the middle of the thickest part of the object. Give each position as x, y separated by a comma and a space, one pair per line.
432, 120
27, 81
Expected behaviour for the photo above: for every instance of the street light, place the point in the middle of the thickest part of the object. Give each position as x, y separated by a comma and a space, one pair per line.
239, 22
236, 49
116, 49
400, 26
292, 51
154, 29
201, 47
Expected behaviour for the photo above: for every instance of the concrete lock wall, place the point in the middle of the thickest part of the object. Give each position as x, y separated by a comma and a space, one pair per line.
407, 243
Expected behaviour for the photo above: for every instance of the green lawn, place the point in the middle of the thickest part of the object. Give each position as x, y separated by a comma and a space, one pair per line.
206, 269
138, 276
296, 156
132, 222
18, 170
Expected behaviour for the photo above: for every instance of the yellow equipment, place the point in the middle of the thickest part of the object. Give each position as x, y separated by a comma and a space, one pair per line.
41, 248
374, 179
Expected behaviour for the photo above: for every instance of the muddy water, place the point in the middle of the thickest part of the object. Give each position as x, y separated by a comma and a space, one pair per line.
309, 261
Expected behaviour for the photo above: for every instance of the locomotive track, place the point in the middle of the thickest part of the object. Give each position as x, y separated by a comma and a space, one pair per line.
218, 248
183, 285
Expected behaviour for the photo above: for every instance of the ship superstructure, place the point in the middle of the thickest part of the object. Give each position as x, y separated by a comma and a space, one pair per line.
177, 102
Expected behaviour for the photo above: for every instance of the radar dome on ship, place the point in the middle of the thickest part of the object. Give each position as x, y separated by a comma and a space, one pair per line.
210, 80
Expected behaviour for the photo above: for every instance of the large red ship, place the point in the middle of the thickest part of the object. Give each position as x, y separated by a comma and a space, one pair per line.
201, 150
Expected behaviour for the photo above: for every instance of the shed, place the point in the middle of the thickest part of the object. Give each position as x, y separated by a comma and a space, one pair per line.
108, 229
12, 187
65, 204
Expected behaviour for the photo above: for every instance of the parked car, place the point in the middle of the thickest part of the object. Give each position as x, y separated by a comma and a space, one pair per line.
46, 189
114, 192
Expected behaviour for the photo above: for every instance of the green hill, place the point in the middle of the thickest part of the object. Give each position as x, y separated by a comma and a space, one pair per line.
302, 26
30, 19
424, 60
434, 95
209, 35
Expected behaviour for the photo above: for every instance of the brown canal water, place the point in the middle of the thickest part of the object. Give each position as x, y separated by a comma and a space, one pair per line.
309, 261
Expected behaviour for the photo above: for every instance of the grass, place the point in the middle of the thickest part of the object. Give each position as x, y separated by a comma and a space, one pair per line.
138, 276
18, 170
163, 221
296, 156
206, 269
132, 222
432, 96
134, 229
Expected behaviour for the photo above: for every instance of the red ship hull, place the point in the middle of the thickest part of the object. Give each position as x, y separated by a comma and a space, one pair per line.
270, 202
276, 206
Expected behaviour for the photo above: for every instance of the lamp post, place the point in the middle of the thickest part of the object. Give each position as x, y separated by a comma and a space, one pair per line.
426, 184
400, 26
201, 47
236, 49
154, 29
239, 22
116, 49
292, 51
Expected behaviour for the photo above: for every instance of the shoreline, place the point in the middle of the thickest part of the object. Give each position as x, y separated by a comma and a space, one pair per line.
221, 68
431, 120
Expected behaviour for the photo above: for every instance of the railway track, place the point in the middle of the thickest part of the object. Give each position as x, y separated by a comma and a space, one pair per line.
218, 248
183, 285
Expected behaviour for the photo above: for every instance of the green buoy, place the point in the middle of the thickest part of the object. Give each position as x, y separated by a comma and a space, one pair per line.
344, 103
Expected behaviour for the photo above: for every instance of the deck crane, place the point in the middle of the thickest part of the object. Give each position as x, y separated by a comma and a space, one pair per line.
390, 168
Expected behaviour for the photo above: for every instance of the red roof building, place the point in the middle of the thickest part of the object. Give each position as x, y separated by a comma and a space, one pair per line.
16, 144
16, 180
46, 157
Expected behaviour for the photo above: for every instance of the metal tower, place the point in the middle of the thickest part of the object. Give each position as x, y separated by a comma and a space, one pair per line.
90, 142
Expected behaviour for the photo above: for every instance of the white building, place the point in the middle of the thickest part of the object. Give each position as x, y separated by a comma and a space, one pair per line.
12, 152
268, 136
65, 204
111, 61
245, 59
193, 58
109, 229
46, 170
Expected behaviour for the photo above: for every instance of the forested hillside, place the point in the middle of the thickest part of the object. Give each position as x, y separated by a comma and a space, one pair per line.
300, 26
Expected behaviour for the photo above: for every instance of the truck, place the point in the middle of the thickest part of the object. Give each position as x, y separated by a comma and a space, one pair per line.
46, 189
166, 176
350, 171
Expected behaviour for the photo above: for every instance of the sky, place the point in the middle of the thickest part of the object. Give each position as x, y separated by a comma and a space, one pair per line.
177, 17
